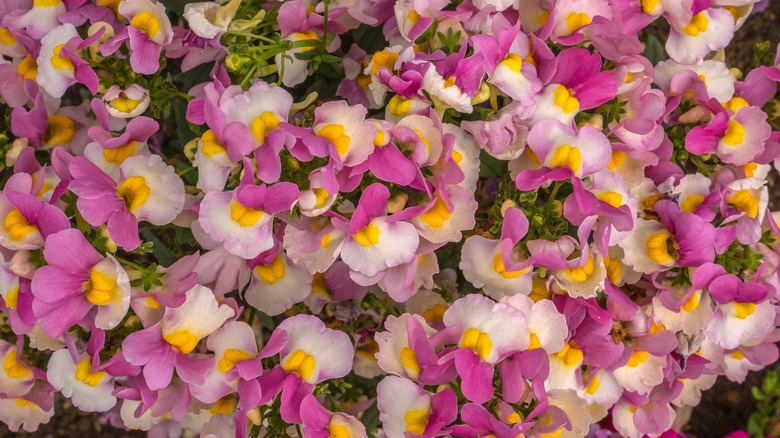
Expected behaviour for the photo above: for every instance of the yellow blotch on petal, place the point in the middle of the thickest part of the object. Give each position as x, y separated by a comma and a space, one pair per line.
183, 341
691, 303
457, 157
380, 139
698, 24
614, 199
210, 146
637, 358
513, 418
13, 368
100, 288
12, 297
338, 431
736, 104
413, 16
409, 360
576, 20
320, 195
152, 303
614, 270
6, 37
85, 375
593, 386
534, 343
570, 355
22, 403
498, 266
738, 355
691, 203
134, 192
319, 286
244, 216
423, 139
125, 104
618, 157
656, 328
435, 313
649, 6
368, 236
272, 272
735, 134
565, 100
743, 200
300, 363
224, 406
325, 241
334, 133
478, 342
46, 3
120, 154
147, 23
437, 215
231, 357
449, 82
749, 169
661, 247
566, 156
61, 129
28, 68
513, 62
383, 59
266, 122
60, 63
17, 226
581, 274
743, 310
398, 106
416, 420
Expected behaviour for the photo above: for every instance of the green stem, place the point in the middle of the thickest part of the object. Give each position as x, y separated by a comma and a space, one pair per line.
252, 36
130, 264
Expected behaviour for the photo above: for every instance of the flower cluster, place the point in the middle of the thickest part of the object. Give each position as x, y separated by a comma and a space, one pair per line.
383, 218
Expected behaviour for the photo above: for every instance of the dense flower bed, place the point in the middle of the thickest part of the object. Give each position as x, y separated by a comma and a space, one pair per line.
382, 218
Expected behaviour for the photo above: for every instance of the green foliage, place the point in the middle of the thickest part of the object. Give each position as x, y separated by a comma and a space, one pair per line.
765, 419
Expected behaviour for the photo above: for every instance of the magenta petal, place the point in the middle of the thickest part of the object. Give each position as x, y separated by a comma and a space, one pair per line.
53, 283
141, 346
193, 370
57, 318
123, 228
477, 376
145, 54
69, 249
315, 417
373, 203
159, 370
293, 393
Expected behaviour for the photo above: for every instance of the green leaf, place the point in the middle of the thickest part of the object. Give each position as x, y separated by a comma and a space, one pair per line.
654, 51
490, 167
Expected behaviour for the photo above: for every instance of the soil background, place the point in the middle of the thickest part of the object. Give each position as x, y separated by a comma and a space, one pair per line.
724, 408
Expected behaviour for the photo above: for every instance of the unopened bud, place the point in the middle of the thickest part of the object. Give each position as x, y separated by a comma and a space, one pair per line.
110, 244
20, 264
397, 203
507, 205
255, 416
13, 153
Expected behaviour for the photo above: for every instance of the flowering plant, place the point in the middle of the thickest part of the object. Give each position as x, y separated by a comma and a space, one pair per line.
382, 218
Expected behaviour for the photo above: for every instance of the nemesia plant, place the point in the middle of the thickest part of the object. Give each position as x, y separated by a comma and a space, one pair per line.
383, 218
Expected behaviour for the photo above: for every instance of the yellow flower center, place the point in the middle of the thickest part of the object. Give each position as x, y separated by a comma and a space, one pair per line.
320, 195
120, 154
637, 358
85, 375
61, 129
498, 266
614, 199
736, 104
614, 270
513, 62
272, 272
593, 385
17, 226
334, 133
576, 20
565, 100
618, 157
60, 63
398, 106
416, 420
566, 156
691, 303
409, 361
735, 134
534, 342
383, 59
581, 274
435, 313
264, 124
12, 297
134, 192
691, 203
750, 169
743, 200
100, 288
125, 104
147, 23
300, 363
224, 406
14, 368
6, 38
437, 215
743, 310
183, 341
662, 248
28, 68
570, 355
649, 6
22, 403
245, 216
698, 24
368, 236
231, 357
338, 431
476, 341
